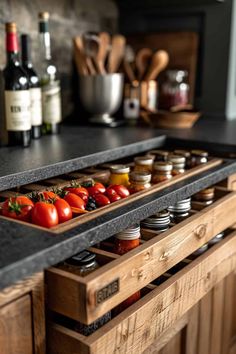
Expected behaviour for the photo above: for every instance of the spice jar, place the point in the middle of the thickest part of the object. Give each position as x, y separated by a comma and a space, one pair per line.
159, 222
143, 163
180, 211
162, 171
174, 91
186, 154
160, 155
127, 240
139, 181
132, 102
178, 162
206, 196
119, 175
81, 264
216, 239
198, 157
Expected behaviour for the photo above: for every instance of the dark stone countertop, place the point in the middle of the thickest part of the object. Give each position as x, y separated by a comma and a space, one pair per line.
25, 249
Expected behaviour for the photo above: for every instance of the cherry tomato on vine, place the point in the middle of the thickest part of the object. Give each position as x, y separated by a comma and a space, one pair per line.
63, 210
18, 208
101, 199
95, 188
80, 191
121, 190
45, 214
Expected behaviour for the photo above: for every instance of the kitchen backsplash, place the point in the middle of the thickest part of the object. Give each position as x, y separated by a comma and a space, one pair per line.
68, 18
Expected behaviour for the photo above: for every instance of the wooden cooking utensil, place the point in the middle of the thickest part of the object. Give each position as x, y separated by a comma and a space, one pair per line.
128, 60
79, 56
103, 48
90, 42
159, 62
117, 53
142, 61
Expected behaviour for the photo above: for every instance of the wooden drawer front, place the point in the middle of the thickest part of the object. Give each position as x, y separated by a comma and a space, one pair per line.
16, 327
83, 299
136, 328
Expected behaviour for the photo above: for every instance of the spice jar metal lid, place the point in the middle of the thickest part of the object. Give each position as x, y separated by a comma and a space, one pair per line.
181, 206
163, 166
119, 169
160, 220
140, 176
143, 160
199, 153
205, 194
132, 233
177, 159
81, 259
181, 152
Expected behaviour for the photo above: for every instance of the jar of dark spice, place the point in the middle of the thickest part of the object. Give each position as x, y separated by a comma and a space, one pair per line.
198, 157
162, 171
159, 222
180, 211
178, 162
139, 181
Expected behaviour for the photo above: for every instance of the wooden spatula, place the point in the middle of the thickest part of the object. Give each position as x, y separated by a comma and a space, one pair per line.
79, 56
159, 62
104, 43
116, 53
142, 61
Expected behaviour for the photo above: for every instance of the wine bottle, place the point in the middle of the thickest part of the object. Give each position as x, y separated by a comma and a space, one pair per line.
50, 84
17, 94
34, 85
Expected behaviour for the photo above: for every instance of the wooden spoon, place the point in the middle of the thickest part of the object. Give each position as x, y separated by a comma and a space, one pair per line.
142, 61
103, 48
159, 62
79, 56
91, 45
117, 53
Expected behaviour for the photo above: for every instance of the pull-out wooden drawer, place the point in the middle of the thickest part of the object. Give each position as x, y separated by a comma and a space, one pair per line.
136, 328
86, 299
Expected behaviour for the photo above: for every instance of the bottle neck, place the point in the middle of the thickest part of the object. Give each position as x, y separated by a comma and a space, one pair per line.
45, 41
12, 48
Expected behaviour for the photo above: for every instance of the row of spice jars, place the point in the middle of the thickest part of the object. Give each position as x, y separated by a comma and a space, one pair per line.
157, 166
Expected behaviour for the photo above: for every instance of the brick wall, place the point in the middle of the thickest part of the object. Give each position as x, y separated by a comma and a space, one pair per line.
68, 18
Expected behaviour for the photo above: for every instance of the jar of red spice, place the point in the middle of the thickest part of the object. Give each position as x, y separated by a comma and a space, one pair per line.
143, 163
162, 171
125, 241
139, 181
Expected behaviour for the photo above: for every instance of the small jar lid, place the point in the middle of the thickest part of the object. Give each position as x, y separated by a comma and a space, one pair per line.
162, 153
181, 152
132, 233
163, 166
199, 153
205, 194
119, 169
181, 206
143, 160
140, 176
81, 259
177, 159
151, 156
159, 221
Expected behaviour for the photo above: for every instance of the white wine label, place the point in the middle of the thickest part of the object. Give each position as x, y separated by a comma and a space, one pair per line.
17, 109
36, 106
51, 96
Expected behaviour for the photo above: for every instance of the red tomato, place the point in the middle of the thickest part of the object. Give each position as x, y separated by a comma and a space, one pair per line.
18, 208
122, 191
45, 214
74, 201
63, 210
114, 197
110, 192
80, 191
49, 195
101, 199
96, 188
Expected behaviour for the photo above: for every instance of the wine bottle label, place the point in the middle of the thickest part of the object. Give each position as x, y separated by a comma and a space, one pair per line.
36, 106
51, 96
17, 108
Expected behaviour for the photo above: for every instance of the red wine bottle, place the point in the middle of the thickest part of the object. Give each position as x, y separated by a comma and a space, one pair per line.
34, 85
17, 94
